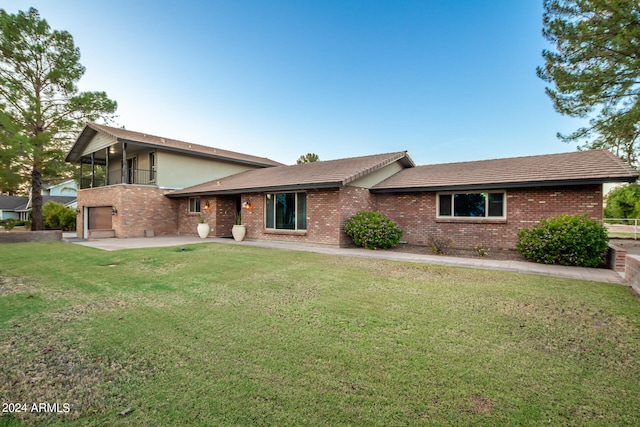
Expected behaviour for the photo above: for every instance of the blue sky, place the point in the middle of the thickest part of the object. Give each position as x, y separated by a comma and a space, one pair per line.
446, 80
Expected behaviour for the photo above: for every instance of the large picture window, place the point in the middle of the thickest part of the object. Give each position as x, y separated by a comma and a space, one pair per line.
472, 205
286, 211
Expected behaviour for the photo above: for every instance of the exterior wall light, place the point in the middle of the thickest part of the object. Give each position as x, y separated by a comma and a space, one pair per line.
114, 211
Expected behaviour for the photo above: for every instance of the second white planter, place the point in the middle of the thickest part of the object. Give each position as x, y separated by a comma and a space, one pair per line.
238, 232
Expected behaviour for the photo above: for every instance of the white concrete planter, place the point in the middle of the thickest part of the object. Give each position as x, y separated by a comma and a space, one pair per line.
238, 232
203, 230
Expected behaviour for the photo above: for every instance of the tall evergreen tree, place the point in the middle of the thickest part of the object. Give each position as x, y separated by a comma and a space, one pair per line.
41, 109
595, 69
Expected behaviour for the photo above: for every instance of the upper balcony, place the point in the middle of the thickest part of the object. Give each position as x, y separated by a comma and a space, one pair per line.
131, 176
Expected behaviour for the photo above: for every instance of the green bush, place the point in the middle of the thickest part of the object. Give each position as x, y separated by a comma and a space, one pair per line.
8, 224
56, 216
564, 240
623, 202
372, 230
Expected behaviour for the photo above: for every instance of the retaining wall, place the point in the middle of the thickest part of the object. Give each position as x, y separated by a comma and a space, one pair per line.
632, 272
30, 236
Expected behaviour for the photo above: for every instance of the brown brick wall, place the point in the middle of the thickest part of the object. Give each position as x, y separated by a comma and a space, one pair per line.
138, 208
415, 214
323, 216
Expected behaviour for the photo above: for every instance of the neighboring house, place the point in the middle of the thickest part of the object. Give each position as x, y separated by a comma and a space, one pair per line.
484, 202
68, 188
124, 176
9, 204
18, 207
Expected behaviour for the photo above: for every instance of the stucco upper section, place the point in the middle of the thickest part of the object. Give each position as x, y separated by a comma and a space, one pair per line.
180, 171
99, 142
380, 175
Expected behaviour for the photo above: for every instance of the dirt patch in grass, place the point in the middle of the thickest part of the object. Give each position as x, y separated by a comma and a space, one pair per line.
15, 285
481, 405
46, 363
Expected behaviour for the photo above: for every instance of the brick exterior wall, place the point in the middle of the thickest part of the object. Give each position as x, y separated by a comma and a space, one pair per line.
323, 219
142, 207
138, 208
415, 214
221, 215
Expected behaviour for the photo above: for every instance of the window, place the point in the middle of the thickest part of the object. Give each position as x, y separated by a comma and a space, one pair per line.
194, 205
472, 205
286, 211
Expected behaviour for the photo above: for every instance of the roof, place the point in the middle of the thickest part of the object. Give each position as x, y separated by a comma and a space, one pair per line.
579, 167
22, 203
324, 174
123, 135
10, 203
64, 200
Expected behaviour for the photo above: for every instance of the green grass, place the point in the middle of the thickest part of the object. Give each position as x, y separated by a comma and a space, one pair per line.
230, 335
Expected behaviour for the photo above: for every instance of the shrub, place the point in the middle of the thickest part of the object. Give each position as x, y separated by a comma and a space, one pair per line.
372, 230
564, 240
56, 216
623, 202
439, 244
8, 224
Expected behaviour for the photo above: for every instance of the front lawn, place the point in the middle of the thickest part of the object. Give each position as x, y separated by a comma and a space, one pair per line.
229, 335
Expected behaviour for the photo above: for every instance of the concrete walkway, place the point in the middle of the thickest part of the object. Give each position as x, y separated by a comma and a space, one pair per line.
581, 273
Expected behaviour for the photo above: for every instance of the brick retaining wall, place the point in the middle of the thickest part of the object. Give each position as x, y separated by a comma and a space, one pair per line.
616, 258
30, 236
632, 272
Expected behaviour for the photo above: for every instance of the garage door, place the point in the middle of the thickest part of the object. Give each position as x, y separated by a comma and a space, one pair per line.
100, 218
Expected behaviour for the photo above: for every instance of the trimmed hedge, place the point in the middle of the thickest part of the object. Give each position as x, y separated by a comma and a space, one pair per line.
564, 240
372, 230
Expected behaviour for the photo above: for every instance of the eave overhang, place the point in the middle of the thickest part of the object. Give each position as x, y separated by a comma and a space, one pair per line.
508, 185
236, 191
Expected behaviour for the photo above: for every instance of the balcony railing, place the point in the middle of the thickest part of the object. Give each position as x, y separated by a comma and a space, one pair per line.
133, 176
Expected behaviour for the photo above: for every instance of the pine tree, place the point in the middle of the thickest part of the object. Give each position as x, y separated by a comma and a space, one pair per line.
41, 109
595, 69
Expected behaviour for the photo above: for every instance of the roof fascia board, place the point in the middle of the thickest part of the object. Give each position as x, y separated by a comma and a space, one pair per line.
301, 187
502, 185
193, 153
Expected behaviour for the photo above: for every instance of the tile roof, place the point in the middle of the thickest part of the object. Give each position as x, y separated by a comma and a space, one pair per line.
324, 174
592, 166
91, 129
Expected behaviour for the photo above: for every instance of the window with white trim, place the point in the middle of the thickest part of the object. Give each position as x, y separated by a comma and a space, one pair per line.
194, 205
286, 211
472, 205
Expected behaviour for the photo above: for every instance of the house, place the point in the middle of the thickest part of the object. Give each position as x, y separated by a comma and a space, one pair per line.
484, 202
9, 206
68, 188
124, 176
307, 203
488, 202
18, 207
